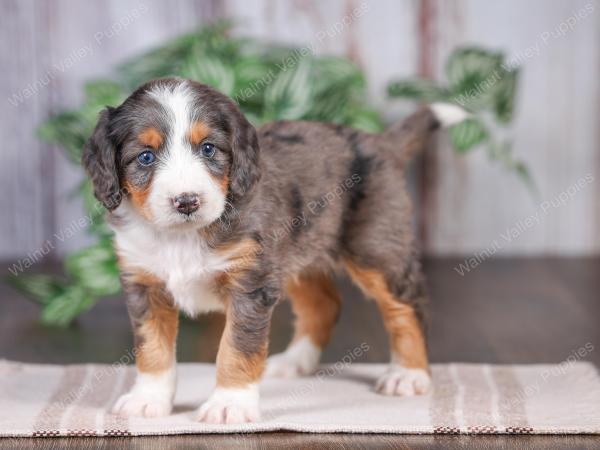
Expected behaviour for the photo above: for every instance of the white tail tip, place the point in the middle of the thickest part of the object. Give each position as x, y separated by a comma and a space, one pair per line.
448, 114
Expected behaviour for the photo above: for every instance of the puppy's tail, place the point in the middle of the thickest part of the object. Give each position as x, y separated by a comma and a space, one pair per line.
410, 135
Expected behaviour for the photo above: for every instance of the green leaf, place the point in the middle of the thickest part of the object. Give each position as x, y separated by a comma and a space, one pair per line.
101, 93
95, 211
63, 308
290, 95
335, 72
417, 89
366, 120
524, 174
71, 129
473, 74
212, 71
252, 75
471, 63
502, 152
38, 287
95, 269
504, 96
338, 86
169, 58
467, 134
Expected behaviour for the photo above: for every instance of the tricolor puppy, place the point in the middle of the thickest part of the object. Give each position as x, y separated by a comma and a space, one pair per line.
210, 214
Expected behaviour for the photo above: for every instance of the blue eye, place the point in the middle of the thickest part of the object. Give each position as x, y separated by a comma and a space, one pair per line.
208, 150
146, 158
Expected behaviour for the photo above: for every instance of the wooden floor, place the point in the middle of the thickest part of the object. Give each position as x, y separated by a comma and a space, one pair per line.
505, 311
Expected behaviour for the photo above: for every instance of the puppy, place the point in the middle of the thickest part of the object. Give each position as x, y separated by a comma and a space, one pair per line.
210, 214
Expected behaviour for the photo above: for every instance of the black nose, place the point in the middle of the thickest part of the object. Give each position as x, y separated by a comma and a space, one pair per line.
186, 203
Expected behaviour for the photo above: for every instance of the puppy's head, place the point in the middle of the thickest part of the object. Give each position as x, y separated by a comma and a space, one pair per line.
176, 150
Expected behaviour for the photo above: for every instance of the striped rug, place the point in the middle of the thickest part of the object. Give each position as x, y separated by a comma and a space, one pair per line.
44, 400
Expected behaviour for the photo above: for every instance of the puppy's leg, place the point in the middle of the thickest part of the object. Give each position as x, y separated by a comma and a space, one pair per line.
155, 322
316, 305
408, 373
241, 359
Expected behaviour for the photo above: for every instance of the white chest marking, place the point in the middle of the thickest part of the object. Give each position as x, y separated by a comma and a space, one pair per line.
180, 258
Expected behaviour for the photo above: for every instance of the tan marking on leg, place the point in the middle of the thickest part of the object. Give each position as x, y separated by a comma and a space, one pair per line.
151, 137
198, 132
158, 333
235, 369
316, 305
406, 336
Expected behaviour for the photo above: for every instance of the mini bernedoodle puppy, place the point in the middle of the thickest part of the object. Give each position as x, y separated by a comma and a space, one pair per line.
210, 214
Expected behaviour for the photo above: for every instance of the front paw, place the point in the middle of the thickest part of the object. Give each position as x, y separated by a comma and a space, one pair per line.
404, 382
151, 396
142, 405
231, 406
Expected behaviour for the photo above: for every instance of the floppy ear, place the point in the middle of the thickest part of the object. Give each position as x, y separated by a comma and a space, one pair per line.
99, 161
245, 168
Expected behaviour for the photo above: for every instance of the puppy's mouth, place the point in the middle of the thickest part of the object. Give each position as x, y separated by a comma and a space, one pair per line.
188, 218
193, 220
201, 218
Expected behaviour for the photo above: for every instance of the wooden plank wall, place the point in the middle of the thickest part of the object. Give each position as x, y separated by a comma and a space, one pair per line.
51, 47
556, 131
469, 204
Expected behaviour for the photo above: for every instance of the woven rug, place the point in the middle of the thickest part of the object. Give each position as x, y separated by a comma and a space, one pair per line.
45, 400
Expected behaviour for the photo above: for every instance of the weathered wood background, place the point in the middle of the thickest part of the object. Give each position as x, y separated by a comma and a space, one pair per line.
468, 205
